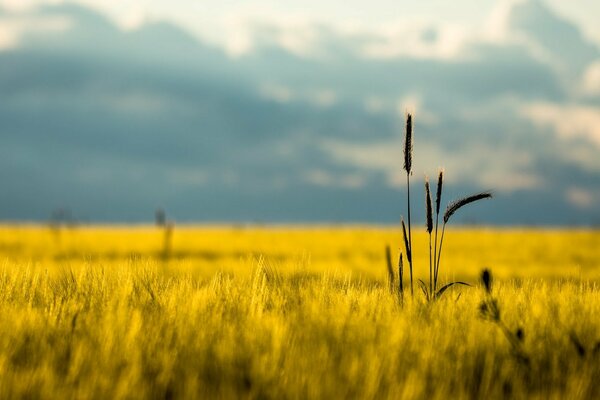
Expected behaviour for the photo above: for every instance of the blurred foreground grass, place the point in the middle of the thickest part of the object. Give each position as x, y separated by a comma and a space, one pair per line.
290, 312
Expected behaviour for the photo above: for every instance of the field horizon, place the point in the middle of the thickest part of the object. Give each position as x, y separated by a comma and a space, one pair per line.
265, 312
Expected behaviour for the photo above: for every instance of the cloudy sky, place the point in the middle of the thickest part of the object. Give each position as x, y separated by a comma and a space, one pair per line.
281, 111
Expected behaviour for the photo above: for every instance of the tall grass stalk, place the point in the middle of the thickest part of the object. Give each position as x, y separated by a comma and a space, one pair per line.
435, 251
438, 200
450, 210
429, 226
390, 268
400, 277
408, 254
167, 240
408, 148
160, 219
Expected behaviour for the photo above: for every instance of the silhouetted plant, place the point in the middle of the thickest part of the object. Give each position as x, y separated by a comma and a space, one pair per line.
438, 201
452, 208
431, 291
390, 268
391, 275
60, 219
160, 218
408, 253
489, 310
408, 149
168, 238
400, 277
582, 350
429, 225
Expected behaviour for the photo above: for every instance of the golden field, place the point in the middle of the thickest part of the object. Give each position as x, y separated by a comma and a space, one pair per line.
293, 312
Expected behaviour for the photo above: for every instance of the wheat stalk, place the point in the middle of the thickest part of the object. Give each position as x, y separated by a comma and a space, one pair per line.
456, 205
438, 200
429, 226
408, 148
390, 269
452, 208
408, 254
400, 277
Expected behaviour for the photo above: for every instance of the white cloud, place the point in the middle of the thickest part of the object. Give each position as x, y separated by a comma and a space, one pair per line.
18, 5
581, 198
306, 35
295, 34
570, 121
14, 26
495, 29
276, 92
323, 97
133, 18
502, 169
324, 178
583, 12
577, 128
426, 40
591, 80
413, 103
186, 177
375, 104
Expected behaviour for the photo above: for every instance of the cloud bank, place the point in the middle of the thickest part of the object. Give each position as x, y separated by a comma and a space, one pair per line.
303, 123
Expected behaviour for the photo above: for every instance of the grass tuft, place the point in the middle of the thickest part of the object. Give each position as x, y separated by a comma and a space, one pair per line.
435, 251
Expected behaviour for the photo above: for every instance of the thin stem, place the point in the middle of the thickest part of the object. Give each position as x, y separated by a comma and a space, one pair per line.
435, 247
388, 258
400, 277
437, 266
410, 255
430, 267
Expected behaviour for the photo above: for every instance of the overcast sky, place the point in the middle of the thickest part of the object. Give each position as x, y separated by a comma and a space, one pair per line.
293, 111
214, 19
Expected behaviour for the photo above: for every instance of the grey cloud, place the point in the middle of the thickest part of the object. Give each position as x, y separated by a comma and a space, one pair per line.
557, 36
113, 124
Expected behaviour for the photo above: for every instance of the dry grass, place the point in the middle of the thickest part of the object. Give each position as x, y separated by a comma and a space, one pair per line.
102, 316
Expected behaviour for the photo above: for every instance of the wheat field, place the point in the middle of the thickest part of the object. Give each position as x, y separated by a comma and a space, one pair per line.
294, 312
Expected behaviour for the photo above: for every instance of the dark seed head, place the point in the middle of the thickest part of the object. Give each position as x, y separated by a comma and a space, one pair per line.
455, 205
483, 308
428, 206
408, 145
488, 309
438, 194
486, 278
520, 334
577, 344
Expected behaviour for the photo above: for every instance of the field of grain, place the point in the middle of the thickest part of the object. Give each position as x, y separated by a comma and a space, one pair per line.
294, 312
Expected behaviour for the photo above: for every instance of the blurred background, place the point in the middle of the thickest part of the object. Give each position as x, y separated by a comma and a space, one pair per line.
287, 111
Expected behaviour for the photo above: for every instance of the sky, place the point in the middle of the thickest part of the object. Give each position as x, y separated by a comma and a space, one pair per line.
281, 111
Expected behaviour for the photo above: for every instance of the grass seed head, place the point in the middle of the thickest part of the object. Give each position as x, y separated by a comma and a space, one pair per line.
408, 145
455, 205
486, 278
438, 194
428, 206
489, 310
520, 334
